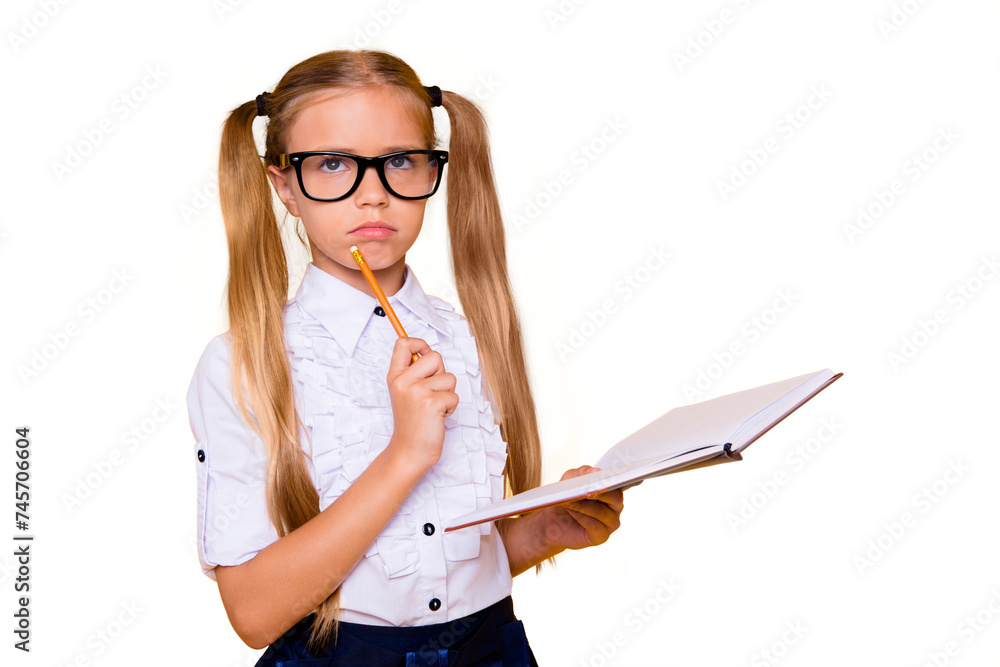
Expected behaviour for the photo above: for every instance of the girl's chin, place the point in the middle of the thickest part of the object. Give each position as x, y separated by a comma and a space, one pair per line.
377, 256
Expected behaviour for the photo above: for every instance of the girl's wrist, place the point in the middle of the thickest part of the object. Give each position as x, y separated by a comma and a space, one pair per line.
528, 541
549, 534
406, 461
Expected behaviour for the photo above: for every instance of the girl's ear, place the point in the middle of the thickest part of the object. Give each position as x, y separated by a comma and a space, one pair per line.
285, 190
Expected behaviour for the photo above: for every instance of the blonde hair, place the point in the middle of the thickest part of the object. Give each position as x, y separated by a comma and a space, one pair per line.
257, 289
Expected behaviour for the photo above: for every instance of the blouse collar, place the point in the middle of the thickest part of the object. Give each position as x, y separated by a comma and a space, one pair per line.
344, 310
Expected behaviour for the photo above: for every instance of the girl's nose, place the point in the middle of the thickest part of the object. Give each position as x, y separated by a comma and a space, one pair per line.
371, 190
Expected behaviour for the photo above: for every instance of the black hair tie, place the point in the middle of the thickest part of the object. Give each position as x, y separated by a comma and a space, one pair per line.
262, 101
435, 94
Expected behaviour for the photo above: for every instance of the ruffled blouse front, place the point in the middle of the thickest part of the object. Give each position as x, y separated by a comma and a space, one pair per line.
339, 349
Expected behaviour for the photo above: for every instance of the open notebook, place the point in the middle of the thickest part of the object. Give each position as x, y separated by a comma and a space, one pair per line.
693, 436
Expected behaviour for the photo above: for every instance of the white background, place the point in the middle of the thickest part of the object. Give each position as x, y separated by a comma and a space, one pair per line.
825, 552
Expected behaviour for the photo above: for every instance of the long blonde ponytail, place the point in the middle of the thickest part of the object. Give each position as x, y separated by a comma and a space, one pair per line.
479, 255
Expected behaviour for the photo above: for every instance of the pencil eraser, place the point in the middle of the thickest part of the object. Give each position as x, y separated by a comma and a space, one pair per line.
353, 248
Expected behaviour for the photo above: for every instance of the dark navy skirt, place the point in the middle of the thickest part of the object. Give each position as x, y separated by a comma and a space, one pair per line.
491, 637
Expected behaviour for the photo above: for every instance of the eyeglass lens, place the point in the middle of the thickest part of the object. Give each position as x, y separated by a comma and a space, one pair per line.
332, 176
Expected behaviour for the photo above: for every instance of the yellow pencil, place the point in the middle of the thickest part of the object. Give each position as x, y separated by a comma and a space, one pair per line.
380, 295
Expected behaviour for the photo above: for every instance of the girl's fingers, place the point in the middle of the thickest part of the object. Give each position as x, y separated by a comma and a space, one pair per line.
443, 386
410, 345
576, 472
440, 382
613, 499
599, 514
597, 530
596, 509
429, 363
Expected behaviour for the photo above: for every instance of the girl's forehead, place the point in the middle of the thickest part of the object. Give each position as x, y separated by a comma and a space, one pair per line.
355, 121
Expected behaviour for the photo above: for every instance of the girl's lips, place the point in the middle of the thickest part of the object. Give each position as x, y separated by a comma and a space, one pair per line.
373, 232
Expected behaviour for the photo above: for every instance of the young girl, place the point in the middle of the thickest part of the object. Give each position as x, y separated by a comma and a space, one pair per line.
329, 461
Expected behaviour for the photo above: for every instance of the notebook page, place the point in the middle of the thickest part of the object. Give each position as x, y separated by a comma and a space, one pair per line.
807, 385
713, 422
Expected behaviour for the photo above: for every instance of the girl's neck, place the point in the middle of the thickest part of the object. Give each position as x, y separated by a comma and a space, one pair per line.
390, 278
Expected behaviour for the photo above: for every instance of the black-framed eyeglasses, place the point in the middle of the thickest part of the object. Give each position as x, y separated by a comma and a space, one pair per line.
332, 176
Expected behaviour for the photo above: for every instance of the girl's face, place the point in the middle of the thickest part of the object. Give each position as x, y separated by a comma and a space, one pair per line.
367, 122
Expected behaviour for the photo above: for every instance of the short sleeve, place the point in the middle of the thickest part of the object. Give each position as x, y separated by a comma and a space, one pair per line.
233, 524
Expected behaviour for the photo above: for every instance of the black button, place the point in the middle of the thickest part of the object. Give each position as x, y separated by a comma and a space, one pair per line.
428, 529
435, 604
379, 311
201, 454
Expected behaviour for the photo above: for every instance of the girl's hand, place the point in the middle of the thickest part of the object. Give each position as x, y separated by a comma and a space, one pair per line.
582, 523
422, 394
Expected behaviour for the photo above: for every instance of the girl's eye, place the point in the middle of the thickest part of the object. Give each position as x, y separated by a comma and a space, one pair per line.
332, 164
399, 162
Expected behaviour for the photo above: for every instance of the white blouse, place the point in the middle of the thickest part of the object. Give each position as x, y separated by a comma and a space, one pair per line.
339, 347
